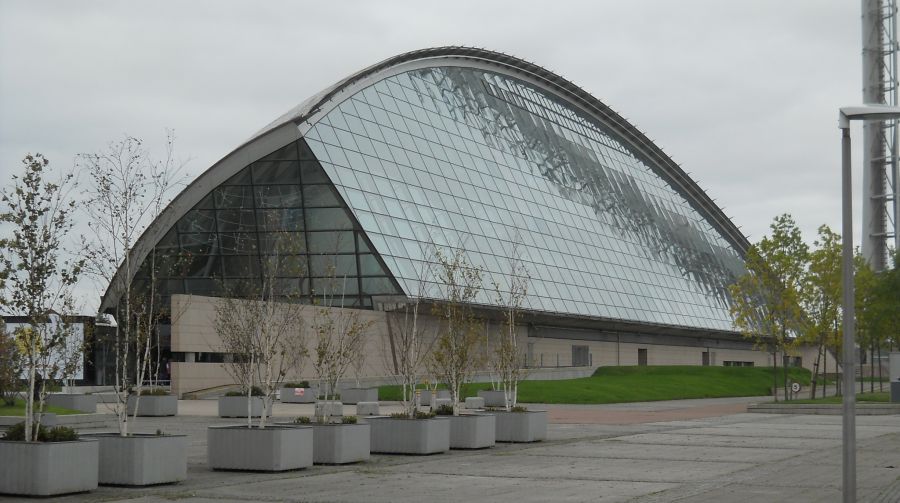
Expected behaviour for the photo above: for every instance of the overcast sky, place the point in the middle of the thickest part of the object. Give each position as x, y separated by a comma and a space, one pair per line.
743, 95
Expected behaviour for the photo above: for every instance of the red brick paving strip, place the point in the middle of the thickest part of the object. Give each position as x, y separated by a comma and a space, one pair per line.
583, 416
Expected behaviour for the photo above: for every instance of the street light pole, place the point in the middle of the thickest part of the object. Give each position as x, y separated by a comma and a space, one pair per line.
848, 360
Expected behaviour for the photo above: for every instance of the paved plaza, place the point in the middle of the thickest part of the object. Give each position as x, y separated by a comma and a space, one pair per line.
690, 450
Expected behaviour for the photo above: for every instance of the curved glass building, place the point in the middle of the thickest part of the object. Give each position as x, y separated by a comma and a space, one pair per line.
470, 149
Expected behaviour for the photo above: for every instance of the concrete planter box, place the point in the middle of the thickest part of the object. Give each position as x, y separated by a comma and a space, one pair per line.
154, 405
353, 396
425, 397
273, 449
48, 468
530, 426
83, 403
409, 436
493, 398
298, 395
333, 408
236, 406
475, 431
474, 402
367, 409
141, 460
338, 444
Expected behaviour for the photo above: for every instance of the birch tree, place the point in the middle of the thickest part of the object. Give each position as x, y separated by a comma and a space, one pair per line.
38, 278
408, 339
508, 357
260, 322
128, 190
340, 337
456, 353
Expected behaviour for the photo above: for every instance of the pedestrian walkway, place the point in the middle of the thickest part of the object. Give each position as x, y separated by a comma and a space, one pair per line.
644, 453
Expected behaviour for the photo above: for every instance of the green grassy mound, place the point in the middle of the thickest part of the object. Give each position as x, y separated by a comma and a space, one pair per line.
19, 409
642, 384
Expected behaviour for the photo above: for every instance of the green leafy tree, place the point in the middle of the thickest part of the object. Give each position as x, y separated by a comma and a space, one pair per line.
10, 366
766, 300
821, 298
38, 277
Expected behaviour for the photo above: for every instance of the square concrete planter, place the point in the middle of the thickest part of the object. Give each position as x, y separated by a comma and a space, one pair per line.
298, 395
425, 397
333, 408
338, 444
82, 403
493, 398
48, 468
272, 449
154, 405
353, 396
472, 431
409, 436
141, 460
236, 406
529, 426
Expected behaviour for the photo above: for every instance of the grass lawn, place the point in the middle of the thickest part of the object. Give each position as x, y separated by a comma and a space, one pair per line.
878, 397
642, 384
19, 409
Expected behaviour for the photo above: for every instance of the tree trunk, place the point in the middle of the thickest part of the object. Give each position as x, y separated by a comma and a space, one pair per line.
880, 369
775, 374
815, 374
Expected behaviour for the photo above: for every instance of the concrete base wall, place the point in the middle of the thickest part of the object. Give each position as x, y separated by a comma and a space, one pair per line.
549, 351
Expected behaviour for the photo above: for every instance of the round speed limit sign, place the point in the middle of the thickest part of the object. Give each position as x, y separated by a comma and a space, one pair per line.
795, 387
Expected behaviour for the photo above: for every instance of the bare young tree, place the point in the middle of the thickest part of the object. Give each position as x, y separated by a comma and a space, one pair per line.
408, 342
37, 280
340, 337
508, 357
128, 190
456, 356
260, 323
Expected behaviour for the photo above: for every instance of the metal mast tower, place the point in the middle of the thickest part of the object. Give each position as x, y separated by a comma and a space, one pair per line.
881, 180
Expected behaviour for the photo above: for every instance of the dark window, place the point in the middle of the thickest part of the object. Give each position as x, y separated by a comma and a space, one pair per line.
642, 357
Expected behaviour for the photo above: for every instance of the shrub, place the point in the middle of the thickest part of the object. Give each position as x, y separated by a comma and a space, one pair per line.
254, 391
348, 420
336, 396
302, 420
301, 384
419, 415
56, 434
444, 410
518, 408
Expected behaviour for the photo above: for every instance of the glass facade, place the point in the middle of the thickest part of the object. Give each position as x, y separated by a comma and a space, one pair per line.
458, 157
227, 240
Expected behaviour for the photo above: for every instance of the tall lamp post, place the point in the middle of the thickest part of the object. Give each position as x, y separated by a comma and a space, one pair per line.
847, 114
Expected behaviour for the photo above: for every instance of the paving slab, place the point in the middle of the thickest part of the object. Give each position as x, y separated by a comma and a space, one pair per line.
677, 453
